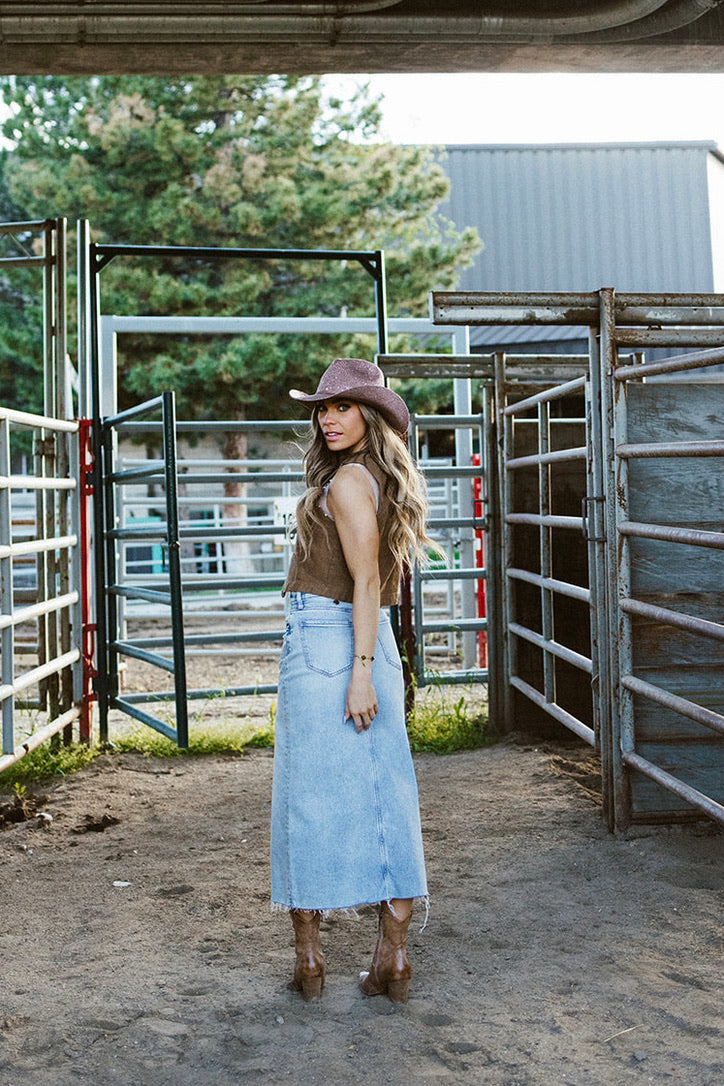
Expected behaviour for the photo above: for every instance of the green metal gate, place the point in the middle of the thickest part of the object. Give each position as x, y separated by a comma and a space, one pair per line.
110, 646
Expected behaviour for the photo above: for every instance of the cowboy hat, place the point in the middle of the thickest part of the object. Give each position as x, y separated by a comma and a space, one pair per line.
363, 382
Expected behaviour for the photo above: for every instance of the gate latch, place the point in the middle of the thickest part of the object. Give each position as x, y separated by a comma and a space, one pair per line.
585, 517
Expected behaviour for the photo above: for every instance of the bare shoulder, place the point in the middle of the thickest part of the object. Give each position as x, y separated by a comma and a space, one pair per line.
351, 489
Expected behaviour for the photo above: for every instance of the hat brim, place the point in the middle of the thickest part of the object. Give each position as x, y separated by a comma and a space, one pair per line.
387, 402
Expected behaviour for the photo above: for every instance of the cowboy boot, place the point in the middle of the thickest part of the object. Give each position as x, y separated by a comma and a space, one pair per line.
309, 965
390, 971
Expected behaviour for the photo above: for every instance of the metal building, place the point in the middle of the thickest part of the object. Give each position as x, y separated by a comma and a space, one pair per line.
643, 217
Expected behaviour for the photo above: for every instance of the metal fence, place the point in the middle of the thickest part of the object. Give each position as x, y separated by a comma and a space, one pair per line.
665, 523
42, 578
543, 547
652, 525
39, 603
234, 553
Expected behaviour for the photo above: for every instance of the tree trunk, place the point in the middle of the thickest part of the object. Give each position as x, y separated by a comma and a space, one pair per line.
237, 559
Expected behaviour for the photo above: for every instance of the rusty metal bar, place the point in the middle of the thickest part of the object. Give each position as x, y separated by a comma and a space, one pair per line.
626, 301
553, 393
669, 315
690, 623
685, 791
574, 523
478, 308
707, 717
562, 588
669, 337
559, 456
694, 361
675, 449
548, 645
670, 534
567, 719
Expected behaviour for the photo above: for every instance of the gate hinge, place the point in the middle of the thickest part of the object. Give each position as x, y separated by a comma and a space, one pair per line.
44, 446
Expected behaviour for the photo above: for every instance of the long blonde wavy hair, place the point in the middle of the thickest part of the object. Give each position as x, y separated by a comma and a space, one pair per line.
405, 486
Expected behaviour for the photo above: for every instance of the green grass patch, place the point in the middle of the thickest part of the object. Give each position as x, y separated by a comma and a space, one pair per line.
48, 760
442, 723
211, 739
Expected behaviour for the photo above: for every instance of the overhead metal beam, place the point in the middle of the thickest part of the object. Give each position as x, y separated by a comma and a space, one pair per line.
214, 36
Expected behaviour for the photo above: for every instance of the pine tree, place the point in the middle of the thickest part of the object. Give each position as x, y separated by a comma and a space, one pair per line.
252, 161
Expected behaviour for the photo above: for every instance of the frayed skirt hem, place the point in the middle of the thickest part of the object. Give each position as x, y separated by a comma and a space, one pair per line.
351, 910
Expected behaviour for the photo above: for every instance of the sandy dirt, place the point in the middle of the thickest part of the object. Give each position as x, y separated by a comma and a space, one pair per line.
138, 947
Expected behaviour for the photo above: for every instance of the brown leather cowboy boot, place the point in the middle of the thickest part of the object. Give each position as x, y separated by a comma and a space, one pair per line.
309, 965
390, 971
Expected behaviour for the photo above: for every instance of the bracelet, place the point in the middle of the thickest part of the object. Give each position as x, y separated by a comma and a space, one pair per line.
364, 659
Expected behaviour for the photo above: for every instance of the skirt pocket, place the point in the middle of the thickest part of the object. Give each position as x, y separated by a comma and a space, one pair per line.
327, 646
386, 641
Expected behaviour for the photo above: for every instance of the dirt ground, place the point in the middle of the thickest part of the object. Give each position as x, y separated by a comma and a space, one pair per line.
138, 947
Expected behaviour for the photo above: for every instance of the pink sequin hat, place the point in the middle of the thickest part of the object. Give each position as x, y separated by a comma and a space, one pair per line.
363, 382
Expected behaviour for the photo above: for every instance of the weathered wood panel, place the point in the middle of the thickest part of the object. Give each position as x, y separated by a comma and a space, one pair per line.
688, 492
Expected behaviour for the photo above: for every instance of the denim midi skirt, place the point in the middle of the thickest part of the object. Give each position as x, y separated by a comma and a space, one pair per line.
345, 816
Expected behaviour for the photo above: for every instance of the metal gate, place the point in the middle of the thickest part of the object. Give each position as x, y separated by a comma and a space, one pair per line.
41, 537
548, 600
110, 644
462, 511
664, 421
652, 523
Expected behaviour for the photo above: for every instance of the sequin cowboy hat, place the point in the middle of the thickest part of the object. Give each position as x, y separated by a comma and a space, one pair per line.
363, 382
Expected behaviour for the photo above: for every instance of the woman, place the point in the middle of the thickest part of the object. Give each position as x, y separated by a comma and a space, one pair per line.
345, 816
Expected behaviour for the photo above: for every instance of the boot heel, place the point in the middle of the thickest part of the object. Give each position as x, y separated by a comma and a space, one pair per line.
398, 990
312, 988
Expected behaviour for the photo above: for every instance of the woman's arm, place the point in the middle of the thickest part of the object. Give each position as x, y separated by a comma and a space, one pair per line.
352, 503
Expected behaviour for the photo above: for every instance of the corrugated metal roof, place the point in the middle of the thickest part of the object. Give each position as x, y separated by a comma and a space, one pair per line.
584, 216
494, 335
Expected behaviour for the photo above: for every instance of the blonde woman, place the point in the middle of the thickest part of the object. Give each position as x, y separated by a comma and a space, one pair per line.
345, 815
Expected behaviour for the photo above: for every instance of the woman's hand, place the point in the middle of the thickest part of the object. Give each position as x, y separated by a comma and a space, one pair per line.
360, 702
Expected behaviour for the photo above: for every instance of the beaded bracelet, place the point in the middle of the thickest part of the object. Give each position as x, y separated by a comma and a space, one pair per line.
364, 659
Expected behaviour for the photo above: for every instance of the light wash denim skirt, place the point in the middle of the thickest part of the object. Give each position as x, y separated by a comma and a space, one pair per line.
345, 816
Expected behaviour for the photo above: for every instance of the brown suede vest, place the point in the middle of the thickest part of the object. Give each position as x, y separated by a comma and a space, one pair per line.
324, 571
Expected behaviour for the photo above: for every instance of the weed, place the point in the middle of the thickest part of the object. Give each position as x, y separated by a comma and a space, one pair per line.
442, 725
438, 723
47, 760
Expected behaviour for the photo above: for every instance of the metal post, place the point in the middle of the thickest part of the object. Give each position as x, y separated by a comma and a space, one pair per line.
463, 405
64, 408
84, 295
49, 382
98, 490
623, 548
381, 301
544, 536
505, 483
174, 568
592, 531
6, 592
489, 439
110, 653
620, 809
85, 564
